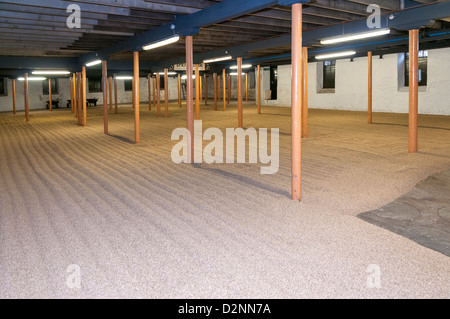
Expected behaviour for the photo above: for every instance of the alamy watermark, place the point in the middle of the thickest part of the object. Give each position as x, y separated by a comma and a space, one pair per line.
74, 19
214, 151
374, 20
374, 277
73, 281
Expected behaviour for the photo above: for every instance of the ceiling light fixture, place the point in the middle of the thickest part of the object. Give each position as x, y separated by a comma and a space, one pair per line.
335, 55
356, 36
223, 58
244, 66
124, 77
93, 63
36, 78
161, 43
50, 72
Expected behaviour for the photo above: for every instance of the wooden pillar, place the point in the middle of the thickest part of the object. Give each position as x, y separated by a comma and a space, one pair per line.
14, 95
413, 90
75, 97
189, 97
197, 93
201, 87
80, 100
369, 85
229, 88
149, 77
158, 94
246, 87
179, 90
50, 105
239, 92
110, 94
258, 88
136, 97
218, 87
166, 93
154, 91
71, 94
215, 90
116, 109
224, 80
83, 94
206, 89
133, 102
25, 94
296, 101
105, 104
305, 93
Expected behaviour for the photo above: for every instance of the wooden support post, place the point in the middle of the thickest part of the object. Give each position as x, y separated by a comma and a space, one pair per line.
166, 92
116, 108
305, 93
206, 89
154, 91
229, 88
50, 104
197, 93
224, 92
369, 91
158, 94
413, 90
239, 92
218, 87
71, 94
149, 84
258, 88
80, 100
179, 90
26, 97
75, 97
133, 102
201, 87
296, 101
105, 104
14, 95
136, 97
83, 92
246, 87
215, 90
110, 94
189, 97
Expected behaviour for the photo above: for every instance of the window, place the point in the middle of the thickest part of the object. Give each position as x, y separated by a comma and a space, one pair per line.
329, 74
128, 85
95, 85
423, 63
54, 84
3, 89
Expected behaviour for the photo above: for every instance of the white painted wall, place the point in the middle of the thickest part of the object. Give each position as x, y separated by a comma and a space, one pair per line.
351, 86
37, 99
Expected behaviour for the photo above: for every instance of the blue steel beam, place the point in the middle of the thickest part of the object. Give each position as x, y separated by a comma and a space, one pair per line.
189, 25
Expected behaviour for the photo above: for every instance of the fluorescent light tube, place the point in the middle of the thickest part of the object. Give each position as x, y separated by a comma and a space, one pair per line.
223, 58
356, 36
161, 43
36, 78
94, 63
50, 72
335, 55
244, 66
124, 77
168, 73
184, 77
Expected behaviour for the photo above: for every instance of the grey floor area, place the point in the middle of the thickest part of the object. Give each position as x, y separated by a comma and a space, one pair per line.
422, 215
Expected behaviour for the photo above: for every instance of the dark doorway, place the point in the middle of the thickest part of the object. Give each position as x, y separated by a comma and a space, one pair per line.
273, 81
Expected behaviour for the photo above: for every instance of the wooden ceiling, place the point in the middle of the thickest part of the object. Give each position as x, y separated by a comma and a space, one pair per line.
38, 27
